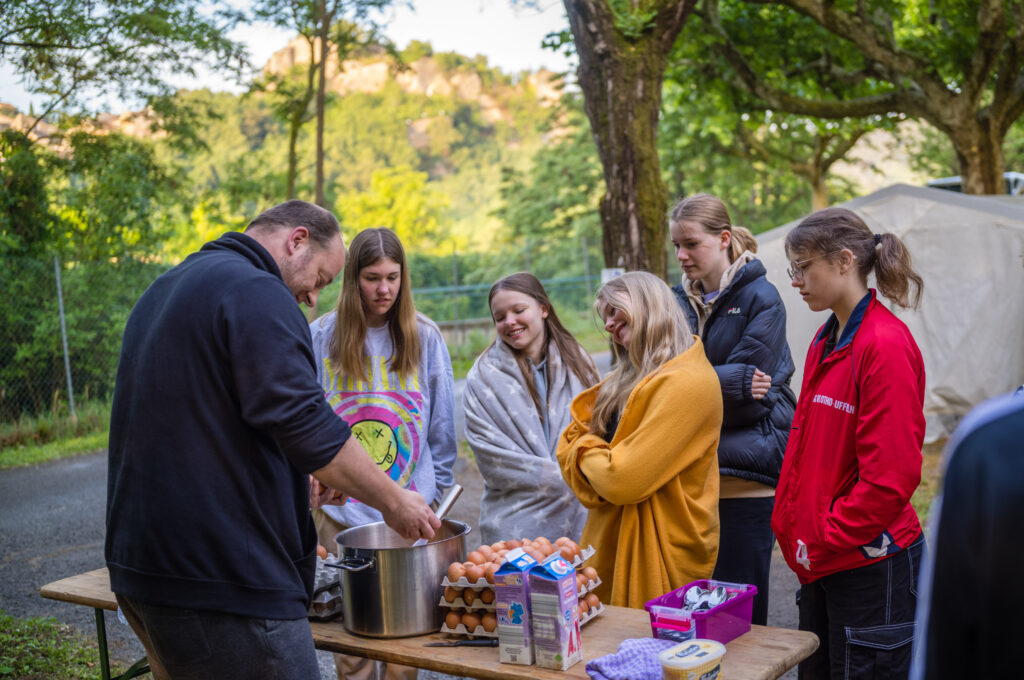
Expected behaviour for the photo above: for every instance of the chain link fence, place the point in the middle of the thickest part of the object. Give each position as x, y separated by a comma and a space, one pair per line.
60, 331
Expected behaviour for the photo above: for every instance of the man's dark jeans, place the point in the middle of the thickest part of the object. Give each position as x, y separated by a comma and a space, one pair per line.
864, 618
189, 644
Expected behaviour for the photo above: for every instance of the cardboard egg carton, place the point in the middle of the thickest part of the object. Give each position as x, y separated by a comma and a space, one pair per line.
459, 603
326, 601
462, 630
593, 613
464, 583
588, 586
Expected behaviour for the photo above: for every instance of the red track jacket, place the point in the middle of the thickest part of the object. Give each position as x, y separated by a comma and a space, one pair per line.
854, 452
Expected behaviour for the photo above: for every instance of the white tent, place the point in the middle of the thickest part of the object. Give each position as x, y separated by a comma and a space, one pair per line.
970, 324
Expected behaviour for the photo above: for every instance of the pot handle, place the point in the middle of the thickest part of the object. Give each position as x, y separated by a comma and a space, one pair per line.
351, 563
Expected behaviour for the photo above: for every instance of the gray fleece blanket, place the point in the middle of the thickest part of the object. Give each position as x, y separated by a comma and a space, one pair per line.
524, 493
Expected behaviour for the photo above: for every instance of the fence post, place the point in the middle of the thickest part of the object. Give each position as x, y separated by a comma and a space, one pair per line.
586, 265
455, 286
64, 340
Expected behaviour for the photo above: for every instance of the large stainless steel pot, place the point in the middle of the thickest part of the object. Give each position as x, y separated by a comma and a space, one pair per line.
389, 588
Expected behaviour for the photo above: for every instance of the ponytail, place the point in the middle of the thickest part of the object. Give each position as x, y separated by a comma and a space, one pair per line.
830, 230
710, 213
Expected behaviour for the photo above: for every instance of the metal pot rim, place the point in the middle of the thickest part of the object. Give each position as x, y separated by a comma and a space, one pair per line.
462, 529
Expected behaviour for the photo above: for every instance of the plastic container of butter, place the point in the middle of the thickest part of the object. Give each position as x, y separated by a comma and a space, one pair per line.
692, 660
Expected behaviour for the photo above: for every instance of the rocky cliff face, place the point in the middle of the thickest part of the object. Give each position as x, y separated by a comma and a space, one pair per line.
424, 76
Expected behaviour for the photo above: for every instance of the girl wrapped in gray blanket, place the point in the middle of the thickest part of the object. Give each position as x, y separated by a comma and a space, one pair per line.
516, 402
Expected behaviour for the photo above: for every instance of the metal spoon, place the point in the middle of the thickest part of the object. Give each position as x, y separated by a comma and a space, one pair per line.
443, 509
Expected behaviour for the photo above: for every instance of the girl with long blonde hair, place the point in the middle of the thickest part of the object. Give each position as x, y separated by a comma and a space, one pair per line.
640, 449
386, 370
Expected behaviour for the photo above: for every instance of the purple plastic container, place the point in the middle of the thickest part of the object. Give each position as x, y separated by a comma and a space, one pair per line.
723, 623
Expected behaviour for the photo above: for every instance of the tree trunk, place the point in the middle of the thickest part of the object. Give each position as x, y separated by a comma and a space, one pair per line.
621, 81
321, 89
980, 153
298, 118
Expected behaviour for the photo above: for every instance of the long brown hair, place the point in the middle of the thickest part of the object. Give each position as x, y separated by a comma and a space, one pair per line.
710, 212
572, 354
659, 333
828, 231
346, 348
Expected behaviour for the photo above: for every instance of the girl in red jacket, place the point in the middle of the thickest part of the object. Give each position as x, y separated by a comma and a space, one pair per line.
842, 514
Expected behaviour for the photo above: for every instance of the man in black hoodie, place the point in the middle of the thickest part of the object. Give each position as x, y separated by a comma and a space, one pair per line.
217, 423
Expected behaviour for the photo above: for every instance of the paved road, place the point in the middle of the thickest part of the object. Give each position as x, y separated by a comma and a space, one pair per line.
52, 524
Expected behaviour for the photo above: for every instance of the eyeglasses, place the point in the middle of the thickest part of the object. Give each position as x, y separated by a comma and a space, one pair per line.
796, 269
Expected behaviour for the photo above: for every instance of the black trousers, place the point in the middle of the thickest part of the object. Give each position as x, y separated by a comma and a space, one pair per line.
745, 547
864, 618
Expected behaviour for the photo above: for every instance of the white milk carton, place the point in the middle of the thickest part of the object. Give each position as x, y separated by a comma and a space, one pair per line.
555, 614
512, 602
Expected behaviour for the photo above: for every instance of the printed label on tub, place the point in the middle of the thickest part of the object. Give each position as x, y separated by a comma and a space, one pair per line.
554, 611
692, 660
512, 604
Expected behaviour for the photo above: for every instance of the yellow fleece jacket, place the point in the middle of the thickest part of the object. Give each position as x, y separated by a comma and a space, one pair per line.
652, 492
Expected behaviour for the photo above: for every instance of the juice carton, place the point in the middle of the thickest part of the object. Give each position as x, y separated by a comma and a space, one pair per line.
512, 602
555, 614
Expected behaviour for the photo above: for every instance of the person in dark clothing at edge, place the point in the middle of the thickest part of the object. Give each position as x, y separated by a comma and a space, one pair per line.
968, 614
217, 423
740, 318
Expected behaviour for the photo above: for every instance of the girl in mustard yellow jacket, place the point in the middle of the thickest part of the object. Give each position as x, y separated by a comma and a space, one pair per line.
640, 451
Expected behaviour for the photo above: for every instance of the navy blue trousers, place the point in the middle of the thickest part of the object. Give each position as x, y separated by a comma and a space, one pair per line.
864, 619
745, 547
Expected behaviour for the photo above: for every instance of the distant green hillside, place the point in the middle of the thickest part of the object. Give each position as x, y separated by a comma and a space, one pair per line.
427, 166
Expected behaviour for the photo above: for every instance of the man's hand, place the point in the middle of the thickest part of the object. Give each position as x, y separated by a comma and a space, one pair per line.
411, 517
321, 495
760, 384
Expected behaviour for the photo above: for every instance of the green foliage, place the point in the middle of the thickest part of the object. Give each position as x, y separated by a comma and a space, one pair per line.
42, 648
399, 199
26, 224
630, 19
71, 51
555, 201
112, 197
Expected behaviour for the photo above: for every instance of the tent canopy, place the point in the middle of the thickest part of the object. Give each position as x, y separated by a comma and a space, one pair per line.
970, 325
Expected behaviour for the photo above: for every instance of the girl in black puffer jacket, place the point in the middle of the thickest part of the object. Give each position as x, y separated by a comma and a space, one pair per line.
741, 319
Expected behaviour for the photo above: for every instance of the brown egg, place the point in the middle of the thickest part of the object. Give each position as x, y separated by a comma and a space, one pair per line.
590, 573
489, 621
474, 573
567, 552
475, 557
455, 572
498, 545
489, 571
487, 595
452, 619
469, 596
592, 600
562, 540
450, 594
581, 582
470, 621
513, 544
584, 607
487, 551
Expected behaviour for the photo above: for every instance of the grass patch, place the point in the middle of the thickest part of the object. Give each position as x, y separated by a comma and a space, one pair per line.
29, 441
42, 649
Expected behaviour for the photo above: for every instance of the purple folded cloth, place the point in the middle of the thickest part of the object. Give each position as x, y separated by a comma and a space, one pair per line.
635, 660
